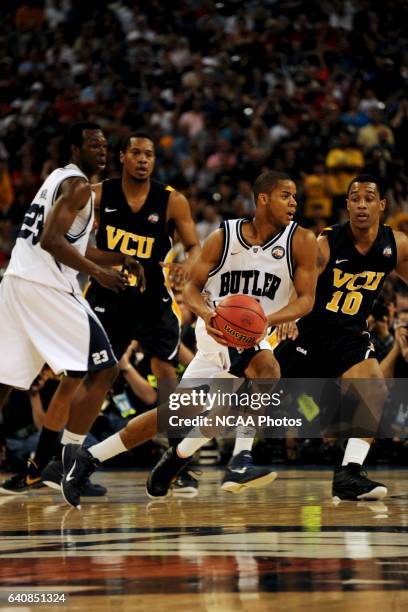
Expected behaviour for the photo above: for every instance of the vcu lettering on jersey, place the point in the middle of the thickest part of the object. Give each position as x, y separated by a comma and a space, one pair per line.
144, 234
263, 271
129, 243
351, 281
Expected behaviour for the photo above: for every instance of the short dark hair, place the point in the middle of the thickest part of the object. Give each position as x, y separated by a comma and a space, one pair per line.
268, 181
139, 134
368, 178
76, 132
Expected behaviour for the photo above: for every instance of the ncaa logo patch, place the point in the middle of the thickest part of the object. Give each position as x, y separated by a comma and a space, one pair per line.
278, 252
387, 252
153, 218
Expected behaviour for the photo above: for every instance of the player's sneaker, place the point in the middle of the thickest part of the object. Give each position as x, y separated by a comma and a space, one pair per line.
164, 472
21, 483
78, 465
241, 473
351, 482
185, 484
52, 476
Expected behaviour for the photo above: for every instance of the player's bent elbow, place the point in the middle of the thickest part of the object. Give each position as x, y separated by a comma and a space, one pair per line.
47, 243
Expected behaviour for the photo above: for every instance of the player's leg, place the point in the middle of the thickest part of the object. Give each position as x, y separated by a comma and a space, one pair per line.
241, 473
70, 338
161, 339
48, 455
83, 462
258, 362
5, 391
350, 480
137, 431
23, 362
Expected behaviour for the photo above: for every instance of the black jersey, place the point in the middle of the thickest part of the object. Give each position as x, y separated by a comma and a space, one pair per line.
350, 283
145, 234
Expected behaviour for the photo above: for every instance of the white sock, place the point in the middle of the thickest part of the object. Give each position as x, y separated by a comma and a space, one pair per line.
356, 451
244, 440
110, 447
191, 444
68, 437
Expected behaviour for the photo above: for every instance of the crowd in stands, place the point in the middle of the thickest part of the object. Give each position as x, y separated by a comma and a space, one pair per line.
317, 89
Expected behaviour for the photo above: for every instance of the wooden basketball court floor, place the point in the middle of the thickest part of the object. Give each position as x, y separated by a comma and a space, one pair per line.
287, 547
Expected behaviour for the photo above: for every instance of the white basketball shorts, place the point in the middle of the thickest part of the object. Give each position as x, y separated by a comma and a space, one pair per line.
40, 324
214, 360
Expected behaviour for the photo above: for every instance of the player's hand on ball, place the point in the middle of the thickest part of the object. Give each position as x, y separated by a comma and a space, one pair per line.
287, 330
216, 334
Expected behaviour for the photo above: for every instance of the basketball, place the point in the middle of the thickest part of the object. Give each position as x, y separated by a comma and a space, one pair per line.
241, 320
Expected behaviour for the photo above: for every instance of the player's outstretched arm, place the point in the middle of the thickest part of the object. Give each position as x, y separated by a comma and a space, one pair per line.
304, 252
179, 212
208, 259
402, 255
75, 194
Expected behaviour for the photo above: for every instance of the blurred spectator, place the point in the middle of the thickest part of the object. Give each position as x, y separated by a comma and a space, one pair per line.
395, 363
317, 192
209, 223
343, 162
375, 133
225, 89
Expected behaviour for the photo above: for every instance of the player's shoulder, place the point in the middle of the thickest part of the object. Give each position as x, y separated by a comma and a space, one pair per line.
303, 235
159, 186
331, 230
401, 239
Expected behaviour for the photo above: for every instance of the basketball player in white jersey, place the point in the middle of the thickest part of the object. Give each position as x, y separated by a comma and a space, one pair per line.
43, 317
268, 257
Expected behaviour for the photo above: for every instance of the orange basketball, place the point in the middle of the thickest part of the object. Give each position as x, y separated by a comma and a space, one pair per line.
241, 320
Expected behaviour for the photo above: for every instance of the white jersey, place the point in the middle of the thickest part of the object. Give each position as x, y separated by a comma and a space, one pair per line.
262, 271
28, 259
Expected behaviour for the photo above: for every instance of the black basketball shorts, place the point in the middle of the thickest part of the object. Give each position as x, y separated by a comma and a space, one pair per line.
126, 317
323, 352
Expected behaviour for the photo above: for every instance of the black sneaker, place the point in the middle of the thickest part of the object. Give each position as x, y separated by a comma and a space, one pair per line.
52, 476
78, 465
164, 472
21, 483
185, 484
241, 473
351, 482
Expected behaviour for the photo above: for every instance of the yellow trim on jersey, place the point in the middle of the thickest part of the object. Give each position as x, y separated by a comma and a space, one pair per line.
272, 339
168, 188
177, 310
85, 289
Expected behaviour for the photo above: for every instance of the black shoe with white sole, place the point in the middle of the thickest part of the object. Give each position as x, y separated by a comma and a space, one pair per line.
52, 476
78, 465
351, 482
164, 472
241, 473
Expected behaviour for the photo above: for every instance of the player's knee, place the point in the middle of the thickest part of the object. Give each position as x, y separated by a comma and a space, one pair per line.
106, 376
267, 370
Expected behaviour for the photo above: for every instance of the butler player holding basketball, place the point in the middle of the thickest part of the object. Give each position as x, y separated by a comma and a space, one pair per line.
268, 257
